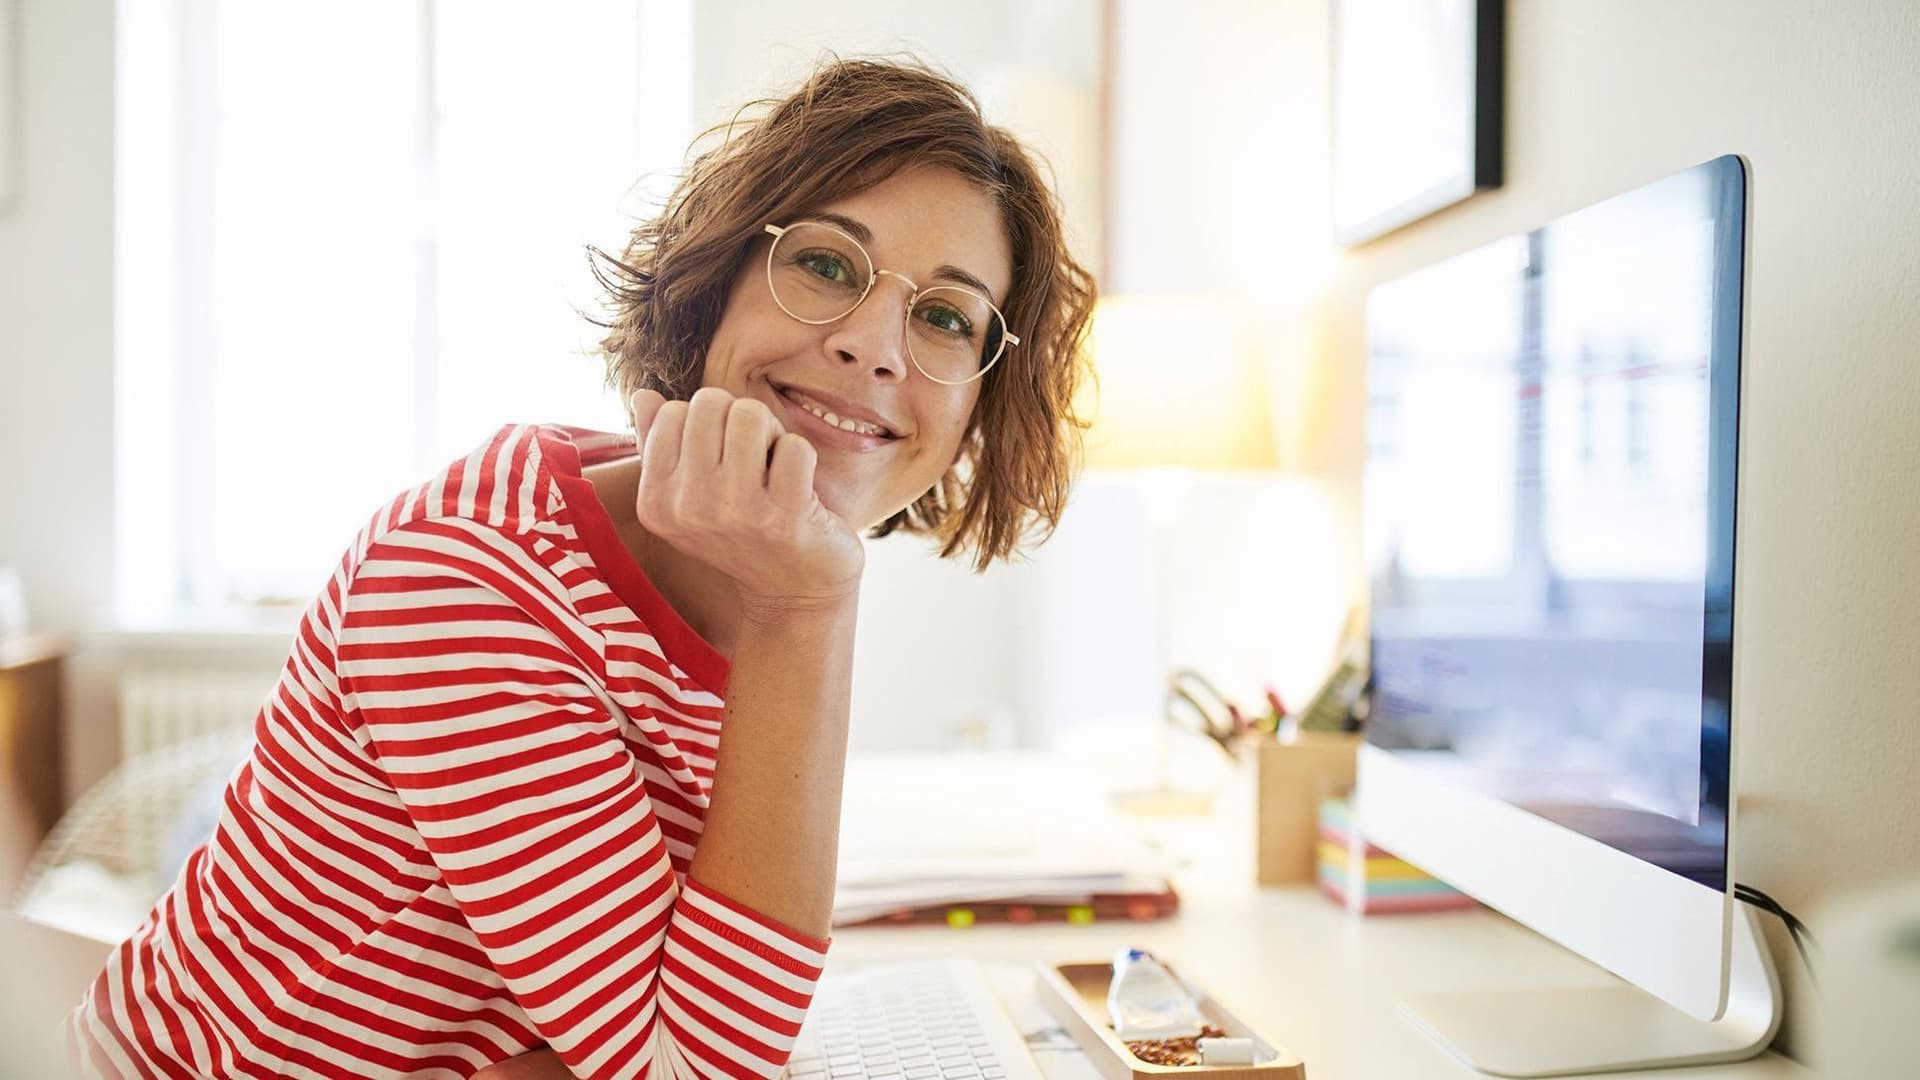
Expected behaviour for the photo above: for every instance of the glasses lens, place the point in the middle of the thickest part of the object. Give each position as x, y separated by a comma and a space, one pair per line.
954, 334
818, 273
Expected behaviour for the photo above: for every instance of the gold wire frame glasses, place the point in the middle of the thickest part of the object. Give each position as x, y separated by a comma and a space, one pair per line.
818, 274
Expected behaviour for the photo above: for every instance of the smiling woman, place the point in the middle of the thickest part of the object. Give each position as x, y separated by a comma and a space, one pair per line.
863, 364
851, 127
489, 824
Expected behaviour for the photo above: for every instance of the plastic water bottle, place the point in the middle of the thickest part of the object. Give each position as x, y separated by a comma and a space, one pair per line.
1146, 1001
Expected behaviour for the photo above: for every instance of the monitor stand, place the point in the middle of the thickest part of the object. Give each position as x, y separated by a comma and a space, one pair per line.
1563, 1032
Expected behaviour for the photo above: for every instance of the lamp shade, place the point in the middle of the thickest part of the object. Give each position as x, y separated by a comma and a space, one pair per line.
1180, 386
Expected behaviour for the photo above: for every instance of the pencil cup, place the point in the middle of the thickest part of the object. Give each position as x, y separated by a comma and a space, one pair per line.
1291, 779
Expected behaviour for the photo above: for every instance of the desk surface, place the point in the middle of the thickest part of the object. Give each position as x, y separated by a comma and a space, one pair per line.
1287, 961
1297, 968
1284, 960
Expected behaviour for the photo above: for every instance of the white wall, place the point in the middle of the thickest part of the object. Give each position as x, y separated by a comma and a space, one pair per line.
56, 331
56, 328
1034, 66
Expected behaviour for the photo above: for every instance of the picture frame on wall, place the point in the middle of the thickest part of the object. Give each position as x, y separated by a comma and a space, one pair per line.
1418, 88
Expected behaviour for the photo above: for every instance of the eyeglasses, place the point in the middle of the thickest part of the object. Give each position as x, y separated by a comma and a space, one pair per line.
819, 274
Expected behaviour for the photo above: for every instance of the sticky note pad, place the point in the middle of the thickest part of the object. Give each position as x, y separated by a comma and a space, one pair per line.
1366, 879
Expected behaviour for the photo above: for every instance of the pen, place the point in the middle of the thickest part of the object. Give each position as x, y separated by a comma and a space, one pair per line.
1273, 701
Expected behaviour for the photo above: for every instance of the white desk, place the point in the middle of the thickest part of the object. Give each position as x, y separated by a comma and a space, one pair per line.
1286, 961
43, 973
1294, 966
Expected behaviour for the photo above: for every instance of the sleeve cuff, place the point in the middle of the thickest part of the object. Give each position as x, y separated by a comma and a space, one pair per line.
735, 985
764, 935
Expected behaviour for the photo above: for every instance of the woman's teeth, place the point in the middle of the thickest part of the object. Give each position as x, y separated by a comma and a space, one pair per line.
843, 423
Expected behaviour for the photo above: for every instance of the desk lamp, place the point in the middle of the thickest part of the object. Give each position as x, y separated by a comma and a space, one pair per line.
1181, 399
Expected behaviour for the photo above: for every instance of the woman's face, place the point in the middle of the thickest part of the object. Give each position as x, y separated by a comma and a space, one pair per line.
922, 224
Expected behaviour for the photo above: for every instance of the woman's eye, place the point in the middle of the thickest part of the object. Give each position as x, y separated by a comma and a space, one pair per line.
947, 320
828, 265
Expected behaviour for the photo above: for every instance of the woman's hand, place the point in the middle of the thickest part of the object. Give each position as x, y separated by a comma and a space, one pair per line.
723, 482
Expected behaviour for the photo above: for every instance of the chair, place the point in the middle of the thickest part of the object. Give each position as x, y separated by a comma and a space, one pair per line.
106, 860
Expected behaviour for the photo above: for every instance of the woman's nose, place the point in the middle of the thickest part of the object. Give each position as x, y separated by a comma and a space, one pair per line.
874, 334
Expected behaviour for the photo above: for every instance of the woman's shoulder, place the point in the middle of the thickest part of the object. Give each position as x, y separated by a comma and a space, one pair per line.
516, 486
520, 515
513, 481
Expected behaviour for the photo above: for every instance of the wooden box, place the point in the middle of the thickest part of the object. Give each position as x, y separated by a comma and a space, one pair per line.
1076, 996
1292, 779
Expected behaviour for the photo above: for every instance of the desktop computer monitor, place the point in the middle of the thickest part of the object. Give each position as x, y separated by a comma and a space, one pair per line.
1552, 429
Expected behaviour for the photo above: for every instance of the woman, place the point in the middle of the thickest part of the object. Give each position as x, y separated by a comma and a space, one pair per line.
489, 819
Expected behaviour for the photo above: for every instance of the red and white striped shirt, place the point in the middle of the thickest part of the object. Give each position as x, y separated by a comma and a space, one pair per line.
464, 828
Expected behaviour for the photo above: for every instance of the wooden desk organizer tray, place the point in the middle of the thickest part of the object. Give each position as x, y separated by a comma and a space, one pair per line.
1076, 996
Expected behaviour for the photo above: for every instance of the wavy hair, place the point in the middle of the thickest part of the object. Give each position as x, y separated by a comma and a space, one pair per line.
850, 125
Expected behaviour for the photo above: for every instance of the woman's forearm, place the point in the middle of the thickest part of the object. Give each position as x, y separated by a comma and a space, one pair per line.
772, 831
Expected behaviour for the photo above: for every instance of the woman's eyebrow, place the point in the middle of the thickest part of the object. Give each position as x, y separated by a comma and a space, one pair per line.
954, 273
846, 225
860, 232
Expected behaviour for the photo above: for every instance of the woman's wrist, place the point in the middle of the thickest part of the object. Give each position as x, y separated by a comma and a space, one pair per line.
791, 612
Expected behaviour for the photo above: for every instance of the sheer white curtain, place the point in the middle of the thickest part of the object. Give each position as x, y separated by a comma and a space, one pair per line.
371, 256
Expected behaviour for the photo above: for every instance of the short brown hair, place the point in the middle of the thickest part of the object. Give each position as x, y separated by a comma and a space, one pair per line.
851, 125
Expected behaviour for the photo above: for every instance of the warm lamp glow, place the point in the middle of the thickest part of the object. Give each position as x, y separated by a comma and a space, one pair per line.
1179, 386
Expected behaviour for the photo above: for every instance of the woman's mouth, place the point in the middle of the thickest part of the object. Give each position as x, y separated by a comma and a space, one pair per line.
811, 415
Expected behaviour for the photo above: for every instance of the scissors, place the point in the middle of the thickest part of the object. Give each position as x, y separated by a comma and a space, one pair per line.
1195, 704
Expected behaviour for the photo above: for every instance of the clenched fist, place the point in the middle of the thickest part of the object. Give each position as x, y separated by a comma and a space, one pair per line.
723, 482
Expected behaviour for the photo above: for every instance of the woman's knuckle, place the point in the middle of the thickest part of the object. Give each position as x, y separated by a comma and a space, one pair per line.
798, 446
651, 504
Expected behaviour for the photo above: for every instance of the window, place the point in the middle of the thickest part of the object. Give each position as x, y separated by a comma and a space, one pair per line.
351, 244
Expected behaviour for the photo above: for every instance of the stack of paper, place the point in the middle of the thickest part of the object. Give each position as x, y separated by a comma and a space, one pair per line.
1008, 830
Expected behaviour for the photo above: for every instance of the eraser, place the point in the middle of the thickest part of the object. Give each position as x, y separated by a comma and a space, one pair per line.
1226, 1051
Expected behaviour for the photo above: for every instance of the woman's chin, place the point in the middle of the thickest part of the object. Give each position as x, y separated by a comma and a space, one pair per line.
856, 503
836, 499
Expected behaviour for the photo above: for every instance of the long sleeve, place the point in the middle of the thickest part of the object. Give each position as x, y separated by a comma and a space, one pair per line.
474, 683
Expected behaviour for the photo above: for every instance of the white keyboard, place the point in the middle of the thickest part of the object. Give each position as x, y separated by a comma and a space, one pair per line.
917, 1020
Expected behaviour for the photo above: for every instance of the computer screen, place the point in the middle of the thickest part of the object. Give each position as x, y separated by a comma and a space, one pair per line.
1549, 518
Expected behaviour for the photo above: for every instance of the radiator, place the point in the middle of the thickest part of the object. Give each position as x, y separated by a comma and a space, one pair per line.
161, 707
